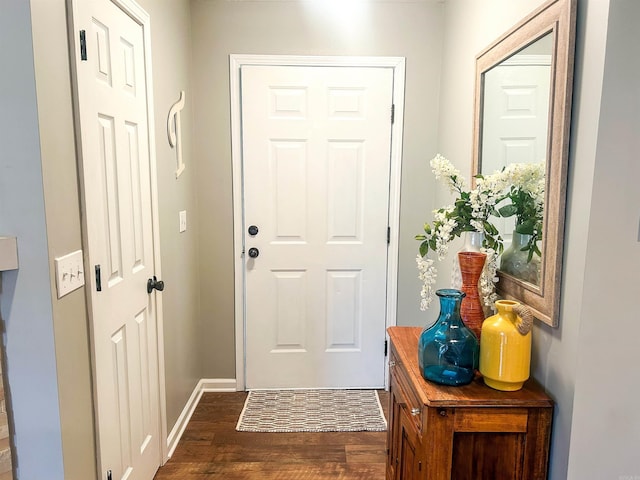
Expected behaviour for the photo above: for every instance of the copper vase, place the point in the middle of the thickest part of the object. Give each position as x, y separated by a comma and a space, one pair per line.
471, 265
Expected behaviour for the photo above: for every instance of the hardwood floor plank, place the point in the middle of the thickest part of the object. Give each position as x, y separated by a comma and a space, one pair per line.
271, 471
366, 453
212, 449
260, 453
325, 438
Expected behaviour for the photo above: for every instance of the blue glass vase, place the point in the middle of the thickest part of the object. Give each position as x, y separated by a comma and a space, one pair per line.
448, 350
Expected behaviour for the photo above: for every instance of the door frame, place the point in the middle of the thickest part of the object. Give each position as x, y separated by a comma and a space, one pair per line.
397, 64
142, 18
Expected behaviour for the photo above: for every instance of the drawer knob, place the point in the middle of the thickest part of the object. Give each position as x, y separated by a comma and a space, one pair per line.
415, 411
392, 363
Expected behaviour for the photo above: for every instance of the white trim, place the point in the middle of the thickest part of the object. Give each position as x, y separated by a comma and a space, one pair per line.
218, 384
235, 63
183, 420
397, 130
204, 385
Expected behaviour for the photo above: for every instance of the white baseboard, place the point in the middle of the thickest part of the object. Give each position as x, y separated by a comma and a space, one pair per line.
218, 384
204, 385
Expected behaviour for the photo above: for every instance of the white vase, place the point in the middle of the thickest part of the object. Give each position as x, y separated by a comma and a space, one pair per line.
472, 243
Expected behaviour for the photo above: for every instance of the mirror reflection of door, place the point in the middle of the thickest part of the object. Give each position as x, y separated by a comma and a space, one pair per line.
515, 115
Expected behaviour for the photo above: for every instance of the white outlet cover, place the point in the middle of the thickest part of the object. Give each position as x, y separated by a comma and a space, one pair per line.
69, 273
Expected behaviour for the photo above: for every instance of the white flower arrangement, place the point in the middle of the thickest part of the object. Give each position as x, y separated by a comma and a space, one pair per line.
523, 184
469, 213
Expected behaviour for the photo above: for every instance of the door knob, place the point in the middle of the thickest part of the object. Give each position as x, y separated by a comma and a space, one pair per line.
254, 252
154, 283
253, 230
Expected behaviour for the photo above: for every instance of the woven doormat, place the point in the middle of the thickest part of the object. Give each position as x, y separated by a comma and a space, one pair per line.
312, 411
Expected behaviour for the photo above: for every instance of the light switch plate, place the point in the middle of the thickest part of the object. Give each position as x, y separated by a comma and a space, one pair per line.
69, 273
183, 221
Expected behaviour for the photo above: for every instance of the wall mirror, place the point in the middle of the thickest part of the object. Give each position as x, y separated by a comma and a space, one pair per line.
522, 115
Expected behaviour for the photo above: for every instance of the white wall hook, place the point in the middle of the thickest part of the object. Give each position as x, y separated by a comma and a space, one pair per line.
173, 130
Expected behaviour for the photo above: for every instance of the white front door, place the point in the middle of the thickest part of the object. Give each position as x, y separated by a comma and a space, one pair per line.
116, 176
316, 165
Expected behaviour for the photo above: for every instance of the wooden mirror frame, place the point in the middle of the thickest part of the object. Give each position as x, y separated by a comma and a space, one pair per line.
557, 17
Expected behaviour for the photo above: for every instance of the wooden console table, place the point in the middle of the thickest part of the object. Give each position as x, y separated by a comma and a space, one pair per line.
461, 433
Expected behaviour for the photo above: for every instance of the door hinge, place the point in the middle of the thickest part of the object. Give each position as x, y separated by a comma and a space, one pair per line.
388, 235
393, 113
98, 279
83, 45
386, 347
109, 476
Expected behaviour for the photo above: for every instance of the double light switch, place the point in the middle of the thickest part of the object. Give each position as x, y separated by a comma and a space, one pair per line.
69, 272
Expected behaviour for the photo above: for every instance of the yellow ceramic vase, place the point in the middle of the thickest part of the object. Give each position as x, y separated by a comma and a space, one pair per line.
505, 347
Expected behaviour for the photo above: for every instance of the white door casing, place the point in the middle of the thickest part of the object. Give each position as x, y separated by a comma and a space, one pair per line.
323, 247
115, 138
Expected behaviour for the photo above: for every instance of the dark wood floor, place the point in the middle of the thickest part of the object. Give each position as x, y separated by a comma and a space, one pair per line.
211, 448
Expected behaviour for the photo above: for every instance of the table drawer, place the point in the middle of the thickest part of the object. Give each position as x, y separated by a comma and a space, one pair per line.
410, 400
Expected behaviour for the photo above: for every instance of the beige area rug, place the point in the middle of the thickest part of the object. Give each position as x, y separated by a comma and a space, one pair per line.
312, 411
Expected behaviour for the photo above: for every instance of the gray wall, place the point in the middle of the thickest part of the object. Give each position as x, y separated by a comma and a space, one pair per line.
411, 30
59, 171
172, 72
606, 423
25, 299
